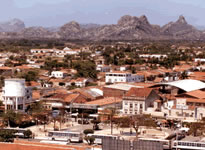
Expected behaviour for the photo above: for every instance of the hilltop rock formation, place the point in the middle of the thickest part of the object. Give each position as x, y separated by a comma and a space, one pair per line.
127, 28
181, 30
14, 25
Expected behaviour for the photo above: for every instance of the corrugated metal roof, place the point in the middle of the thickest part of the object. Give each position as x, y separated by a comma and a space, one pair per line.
125, 87
187, 85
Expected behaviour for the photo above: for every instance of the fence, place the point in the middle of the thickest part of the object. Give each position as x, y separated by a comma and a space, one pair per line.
115, 144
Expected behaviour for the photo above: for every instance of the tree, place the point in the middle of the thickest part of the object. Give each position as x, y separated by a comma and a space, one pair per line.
89, 139
141, 120
7, 135
88, 131
95, 124
39, 113
12, 118
197, 128
110, 113
83, 117
27, 133
85, 69
30, 76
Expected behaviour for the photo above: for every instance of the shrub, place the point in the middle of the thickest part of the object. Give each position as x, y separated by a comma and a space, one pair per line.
27, 133
88, 131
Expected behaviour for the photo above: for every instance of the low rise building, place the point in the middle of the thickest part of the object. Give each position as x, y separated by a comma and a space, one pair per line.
58, 74
137, 100
118, 76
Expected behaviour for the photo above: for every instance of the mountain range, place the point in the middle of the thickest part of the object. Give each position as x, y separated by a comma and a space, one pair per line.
127, 28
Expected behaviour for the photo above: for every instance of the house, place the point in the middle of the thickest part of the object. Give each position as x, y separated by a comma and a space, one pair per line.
79, 82
103, 68
120, 76
69, 51
59, 74
199, 60
100, 61
62, 100
40, 51
124, 68
137, 100
89, 93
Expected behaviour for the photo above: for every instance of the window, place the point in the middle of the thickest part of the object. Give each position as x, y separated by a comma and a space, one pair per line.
131, 105
126, 103
141, 106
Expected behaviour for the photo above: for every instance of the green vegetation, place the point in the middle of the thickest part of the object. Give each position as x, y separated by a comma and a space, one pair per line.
85, 69
7, 135
11, 118
27, 134
89, 139
88, 131
197, 128
29, 76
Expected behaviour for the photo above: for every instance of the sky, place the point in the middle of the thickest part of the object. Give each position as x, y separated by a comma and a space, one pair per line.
50, 13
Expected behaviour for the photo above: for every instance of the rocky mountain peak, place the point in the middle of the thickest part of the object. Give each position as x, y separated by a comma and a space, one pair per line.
127, 28
13, 25
144, 19
127, 20
181, 20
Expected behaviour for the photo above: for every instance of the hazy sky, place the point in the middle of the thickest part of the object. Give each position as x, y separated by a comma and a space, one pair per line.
59, 12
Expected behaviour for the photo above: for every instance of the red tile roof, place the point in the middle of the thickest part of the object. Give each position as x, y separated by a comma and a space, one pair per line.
5, 68
105, 101
197, 94
65, 97
36, 95
138, 92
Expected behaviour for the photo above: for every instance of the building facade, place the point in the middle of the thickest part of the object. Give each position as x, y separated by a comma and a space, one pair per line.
137, 100
114, 77
58, 74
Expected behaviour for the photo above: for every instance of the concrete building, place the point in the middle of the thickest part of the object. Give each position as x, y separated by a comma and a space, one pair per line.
137, 100
103, 68
118, 76
16, 95
199, 60
58, 74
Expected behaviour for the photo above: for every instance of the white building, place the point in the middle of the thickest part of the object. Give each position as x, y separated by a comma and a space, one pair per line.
80, 82
36, 51
69, 51
16, 95
138, 100
56, 52
118, 76
103, 68
199, 60
58, 74
152, 56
